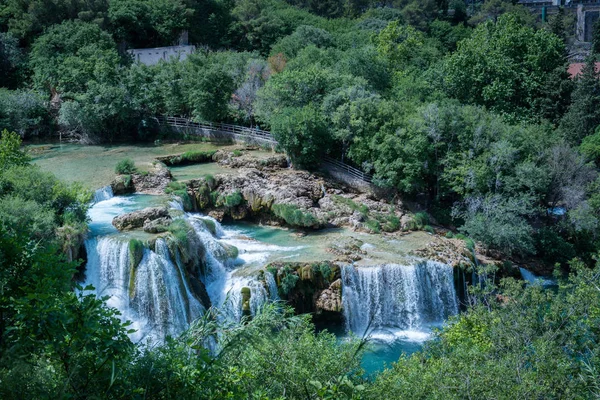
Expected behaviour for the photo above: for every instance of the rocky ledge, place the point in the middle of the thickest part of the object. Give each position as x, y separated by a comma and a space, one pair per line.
151, 219
265, 190
154, 181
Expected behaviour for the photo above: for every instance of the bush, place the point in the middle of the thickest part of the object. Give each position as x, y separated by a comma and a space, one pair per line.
289, 280
126, 166
421, 219
373, 225
293, 216
229, 200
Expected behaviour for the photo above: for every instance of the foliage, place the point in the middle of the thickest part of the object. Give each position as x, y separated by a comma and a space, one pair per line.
71, 55
504, 65
498, 223
229, 200
125, 166
293, 216
11, 153
24, 112
478, 355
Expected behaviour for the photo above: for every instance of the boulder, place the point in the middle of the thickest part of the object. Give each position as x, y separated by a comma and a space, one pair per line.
138, 219
330, 299
158, 225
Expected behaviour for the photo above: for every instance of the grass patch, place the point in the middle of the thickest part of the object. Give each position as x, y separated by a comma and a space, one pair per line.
361, 208
236, 153
189, 157
373, 225
179, 229
293, 216
126, 166
179, 189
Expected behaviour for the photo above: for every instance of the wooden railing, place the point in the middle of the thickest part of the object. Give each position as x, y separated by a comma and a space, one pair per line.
243, 132
354, 172
234, 130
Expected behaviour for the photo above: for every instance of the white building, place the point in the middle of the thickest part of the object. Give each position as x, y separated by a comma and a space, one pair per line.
154, 55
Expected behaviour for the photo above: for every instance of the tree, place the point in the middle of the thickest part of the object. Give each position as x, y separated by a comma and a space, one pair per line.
505, 66
302, 133
148, 23
71, 55
12, 61
11, 153
583, 115
499, 223
24, 112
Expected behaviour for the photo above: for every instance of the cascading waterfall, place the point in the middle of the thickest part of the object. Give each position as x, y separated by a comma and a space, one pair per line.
397, 296
102, 194
272, 286
156, 297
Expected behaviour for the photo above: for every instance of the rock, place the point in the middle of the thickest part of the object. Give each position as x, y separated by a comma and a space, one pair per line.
154, 182
407, 222
138, 219
158, 225
330, 299
217, 214
122, 184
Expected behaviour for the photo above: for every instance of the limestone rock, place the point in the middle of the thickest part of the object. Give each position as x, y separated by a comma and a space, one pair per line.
330, 299
138, 219
157, 225
122, 184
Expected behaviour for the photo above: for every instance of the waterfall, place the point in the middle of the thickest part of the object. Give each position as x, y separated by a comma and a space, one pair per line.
104, 193
155, 295
397, 296
533, 279
272, 285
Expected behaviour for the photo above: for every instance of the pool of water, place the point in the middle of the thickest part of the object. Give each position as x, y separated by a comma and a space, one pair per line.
94, 166
101, 214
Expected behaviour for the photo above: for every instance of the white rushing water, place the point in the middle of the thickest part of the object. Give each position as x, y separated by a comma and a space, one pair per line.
102, 194
157, 296
403, 298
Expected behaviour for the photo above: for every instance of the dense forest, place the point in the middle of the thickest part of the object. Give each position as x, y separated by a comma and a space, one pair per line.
465, 108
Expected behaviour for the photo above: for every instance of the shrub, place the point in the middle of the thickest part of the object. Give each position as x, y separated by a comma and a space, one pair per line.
289, 280
236, 153
230, 200
391, 223
421, 219
126, 166
179, 228
373, 225
136, 252
449, 235
429, 228
293, 216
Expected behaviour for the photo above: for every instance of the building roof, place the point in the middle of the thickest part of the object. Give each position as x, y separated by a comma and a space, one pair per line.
576, 69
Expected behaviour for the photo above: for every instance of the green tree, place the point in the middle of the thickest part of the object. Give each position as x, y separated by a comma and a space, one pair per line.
71, 55
11, 153
505, 66
583, 115
302, 133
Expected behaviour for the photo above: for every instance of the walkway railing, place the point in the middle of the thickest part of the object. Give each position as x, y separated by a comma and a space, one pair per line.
235, 130
243, 132
354, 172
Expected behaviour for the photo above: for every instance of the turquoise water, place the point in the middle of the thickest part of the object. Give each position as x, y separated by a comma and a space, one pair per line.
383, 354
102, 213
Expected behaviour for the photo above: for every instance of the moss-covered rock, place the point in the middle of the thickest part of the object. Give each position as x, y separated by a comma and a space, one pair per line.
246, 296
